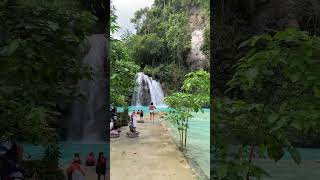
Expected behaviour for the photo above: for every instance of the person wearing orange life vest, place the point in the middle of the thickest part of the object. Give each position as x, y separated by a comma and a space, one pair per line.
75, 171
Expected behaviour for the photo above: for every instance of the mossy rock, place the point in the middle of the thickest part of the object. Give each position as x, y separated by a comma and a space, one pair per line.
124, 118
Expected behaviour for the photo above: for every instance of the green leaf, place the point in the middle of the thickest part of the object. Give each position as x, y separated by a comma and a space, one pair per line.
274, 149
222, 170
11, 48
52, 25
294, 154
316, 91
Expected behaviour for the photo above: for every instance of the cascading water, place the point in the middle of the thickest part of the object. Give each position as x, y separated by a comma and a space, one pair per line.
146, 91
89, 117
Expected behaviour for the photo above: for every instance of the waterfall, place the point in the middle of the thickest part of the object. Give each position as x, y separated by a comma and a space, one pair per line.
146, 91
88, 118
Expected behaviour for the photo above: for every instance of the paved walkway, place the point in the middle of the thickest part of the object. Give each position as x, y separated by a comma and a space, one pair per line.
151, 156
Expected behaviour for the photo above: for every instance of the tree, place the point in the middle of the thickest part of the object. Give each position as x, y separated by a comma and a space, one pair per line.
178, 36
40, 65
273, 92
195, 94
146, 49
40, 58
123, 69
138, 19
123, 72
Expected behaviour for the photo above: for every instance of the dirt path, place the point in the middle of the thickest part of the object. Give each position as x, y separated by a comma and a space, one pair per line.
151, 156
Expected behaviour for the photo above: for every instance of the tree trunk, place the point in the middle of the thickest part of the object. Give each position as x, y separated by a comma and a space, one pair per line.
185, 139
250, 159
182, 138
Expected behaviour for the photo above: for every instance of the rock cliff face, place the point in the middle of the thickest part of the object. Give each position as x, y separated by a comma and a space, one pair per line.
196, 58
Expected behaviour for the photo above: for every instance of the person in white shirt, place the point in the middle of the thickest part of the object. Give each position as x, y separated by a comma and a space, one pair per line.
134, 120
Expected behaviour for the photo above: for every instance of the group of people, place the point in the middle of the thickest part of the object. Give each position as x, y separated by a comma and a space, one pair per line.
76, 172
134, 117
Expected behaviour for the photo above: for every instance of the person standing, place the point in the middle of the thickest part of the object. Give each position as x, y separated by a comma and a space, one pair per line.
91, 160
101, 166
152, 108
133, 121
141, 115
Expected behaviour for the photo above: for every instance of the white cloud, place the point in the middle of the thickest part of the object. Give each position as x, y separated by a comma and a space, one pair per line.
125, 10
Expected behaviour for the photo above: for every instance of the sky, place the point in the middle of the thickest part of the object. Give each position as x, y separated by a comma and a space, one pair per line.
125, 10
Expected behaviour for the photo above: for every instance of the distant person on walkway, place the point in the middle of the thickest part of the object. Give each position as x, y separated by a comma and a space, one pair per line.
75, 171
91, 160
101, 166
152, 108
141, 115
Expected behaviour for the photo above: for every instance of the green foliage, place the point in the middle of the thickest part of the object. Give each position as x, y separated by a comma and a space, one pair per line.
122, 81
113, 20
163, 32
52, 155
178, 36
41, 170
195, 94
123, 71
146, 49
98, 7
206, 44
40, 65
198, 84
273, 93
170, 75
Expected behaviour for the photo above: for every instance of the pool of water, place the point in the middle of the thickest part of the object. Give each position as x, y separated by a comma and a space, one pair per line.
67, 150
198, 140
286, 169
146, 109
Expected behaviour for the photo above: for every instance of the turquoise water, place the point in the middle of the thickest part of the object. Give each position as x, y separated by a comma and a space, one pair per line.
145, 109
305, 153
286, 169
67, 150
198, 140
